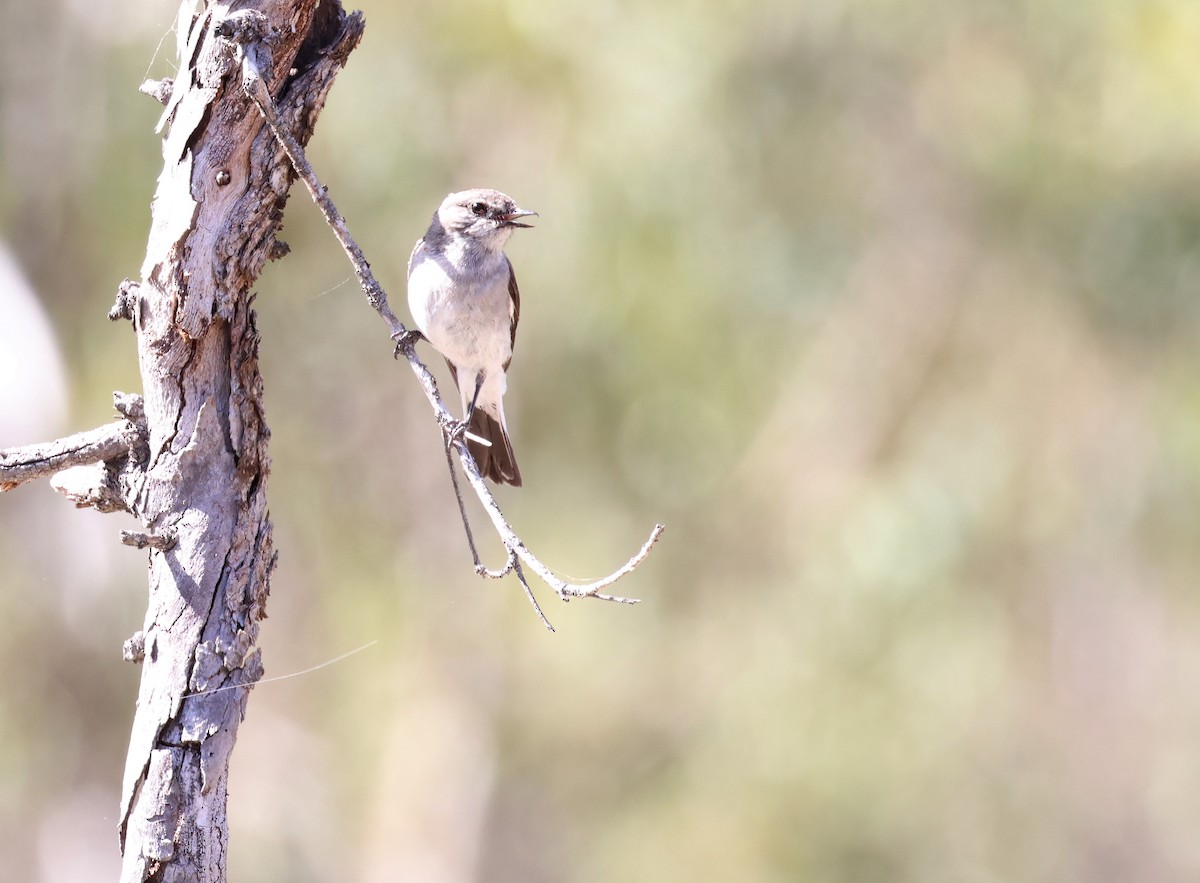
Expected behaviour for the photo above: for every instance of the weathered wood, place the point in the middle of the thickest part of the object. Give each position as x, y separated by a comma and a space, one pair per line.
19, 465
217, 208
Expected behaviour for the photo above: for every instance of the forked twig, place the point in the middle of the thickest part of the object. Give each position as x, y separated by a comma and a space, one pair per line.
249, 50
462, 510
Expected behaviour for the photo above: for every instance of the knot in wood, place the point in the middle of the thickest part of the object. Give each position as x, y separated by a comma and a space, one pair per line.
243, 26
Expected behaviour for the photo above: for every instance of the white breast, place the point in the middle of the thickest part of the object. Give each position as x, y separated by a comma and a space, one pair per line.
465, 313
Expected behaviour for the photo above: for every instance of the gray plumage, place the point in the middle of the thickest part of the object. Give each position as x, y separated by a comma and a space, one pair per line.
464, 298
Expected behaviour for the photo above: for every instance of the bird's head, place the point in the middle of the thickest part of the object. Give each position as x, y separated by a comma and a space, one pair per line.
487, 216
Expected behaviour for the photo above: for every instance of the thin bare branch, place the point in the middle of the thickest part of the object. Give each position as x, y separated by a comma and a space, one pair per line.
108, 442
405, 339
256, 89
516, 565
462, 511
517, 547
504, 571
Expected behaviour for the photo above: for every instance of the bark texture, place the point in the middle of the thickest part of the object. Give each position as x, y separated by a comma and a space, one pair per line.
217, 208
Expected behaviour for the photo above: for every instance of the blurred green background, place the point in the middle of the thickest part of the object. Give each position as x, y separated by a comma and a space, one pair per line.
888, 310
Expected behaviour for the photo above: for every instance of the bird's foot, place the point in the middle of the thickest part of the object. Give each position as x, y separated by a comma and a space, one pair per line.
452, 429
407, 341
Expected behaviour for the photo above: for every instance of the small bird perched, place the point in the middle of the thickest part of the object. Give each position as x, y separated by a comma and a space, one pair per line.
463, 295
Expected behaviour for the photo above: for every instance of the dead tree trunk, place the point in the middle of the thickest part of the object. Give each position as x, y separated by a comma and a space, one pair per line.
203, 495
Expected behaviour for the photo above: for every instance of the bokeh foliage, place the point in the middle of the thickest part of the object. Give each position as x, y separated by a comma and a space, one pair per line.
887, 309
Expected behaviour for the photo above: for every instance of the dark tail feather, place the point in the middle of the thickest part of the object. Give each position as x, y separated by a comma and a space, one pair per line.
496, 462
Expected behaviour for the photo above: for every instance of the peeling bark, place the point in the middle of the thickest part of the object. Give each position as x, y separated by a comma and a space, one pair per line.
216, 211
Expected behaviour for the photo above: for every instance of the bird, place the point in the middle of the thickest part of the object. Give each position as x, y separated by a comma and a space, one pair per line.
463, 296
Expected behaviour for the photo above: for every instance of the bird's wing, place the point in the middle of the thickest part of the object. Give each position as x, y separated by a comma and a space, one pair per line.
514, 301
412, 258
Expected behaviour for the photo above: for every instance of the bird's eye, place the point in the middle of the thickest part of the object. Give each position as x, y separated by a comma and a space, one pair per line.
478, 209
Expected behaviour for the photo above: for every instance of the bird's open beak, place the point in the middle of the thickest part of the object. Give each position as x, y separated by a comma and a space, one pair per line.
510, 218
